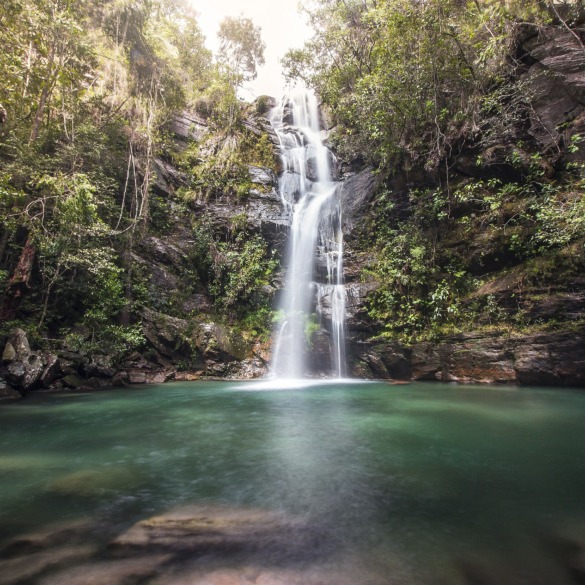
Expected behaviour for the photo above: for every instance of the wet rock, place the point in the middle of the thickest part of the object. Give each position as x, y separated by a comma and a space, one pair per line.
137, 377
73, 381
110, 572
7, 392
319, 355
384, 360
262, 176
548, 358
312, 165
188, 376
100, 366
51, 536
9, 354
426, 362
96, 482
259, 574
160, 377
248, 369
67, 367
51, 371
25, 372
478, 359
24, 568
554, 358
355, 194
207, 528
566, 540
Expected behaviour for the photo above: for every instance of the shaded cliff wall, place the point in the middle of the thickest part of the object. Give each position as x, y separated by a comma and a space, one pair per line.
531, 329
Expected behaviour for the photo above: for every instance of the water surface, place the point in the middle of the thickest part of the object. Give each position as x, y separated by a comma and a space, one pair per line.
417, 483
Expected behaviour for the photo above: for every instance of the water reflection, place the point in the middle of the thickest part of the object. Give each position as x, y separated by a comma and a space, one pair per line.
427, 483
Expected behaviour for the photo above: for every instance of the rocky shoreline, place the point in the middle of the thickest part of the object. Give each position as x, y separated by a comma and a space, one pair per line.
543, 359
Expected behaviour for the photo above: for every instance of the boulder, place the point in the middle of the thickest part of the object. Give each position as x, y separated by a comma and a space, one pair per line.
19, 342
7, 392
51, 371
73, 381
219, 342
9, 354
100, 366
168, 335
25, 372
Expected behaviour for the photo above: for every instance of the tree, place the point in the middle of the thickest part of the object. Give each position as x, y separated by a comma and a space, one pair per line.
403, 78
241, 49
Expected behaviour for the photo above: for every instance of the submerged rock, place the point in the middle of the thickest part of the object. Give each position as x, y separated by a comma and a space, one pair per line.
23, 569
8, 393
108, 572
96, 482
204, 528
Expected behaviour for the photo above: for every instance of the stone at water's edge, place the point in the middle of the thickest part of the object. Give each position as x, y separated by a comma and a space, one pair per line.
555, 359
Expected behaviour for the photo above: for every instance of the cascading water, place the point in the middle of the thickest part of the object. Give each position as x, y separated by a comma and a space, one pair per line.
314, 281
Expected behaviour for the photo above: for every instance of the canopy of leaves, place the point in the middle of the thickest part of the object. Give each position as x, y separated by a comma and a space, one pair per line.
241, 48
405, 78
87, 89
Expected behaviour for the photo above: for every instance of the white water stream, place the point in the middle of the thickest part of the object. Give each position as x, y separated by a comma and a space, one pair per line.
314, 281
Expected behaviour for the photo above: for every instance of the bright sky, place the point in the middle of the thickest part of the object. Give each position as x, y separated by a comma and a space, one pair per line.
283, 28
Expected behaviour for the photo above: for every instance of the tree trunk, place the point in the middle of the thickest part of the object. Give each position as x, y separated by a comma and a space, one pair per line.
18, 284
45, 93
125, 317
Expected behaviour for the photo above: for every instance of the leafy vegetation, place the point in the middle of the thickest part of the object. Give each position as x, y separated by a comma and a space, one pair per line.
88, 91
433, 266
412, 85
404, 79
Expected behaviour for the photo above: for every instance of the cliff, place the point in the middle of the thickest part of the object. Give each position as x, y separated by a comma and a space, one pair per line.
503, 291
470, 275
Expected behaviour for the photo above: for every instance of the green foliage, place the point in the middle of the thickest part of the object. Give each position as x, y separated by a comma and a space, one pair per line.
240, 270
88, 88
311, 327
98, 332
236, 271
241, 48
404, 79
420, 289
258, 151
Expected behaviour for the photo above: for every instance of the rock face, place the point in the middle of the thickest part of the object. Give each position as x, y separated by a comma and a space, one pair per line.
553, 79
556, 81
544, 359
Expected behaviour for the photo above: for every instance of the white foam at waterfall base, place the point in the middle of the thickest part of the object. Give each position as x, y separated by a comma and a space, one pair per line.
308, 189
276, 383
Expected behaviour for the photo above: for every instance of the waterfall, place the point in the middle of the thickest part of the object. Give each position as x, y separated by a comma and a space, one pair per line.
314, 280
